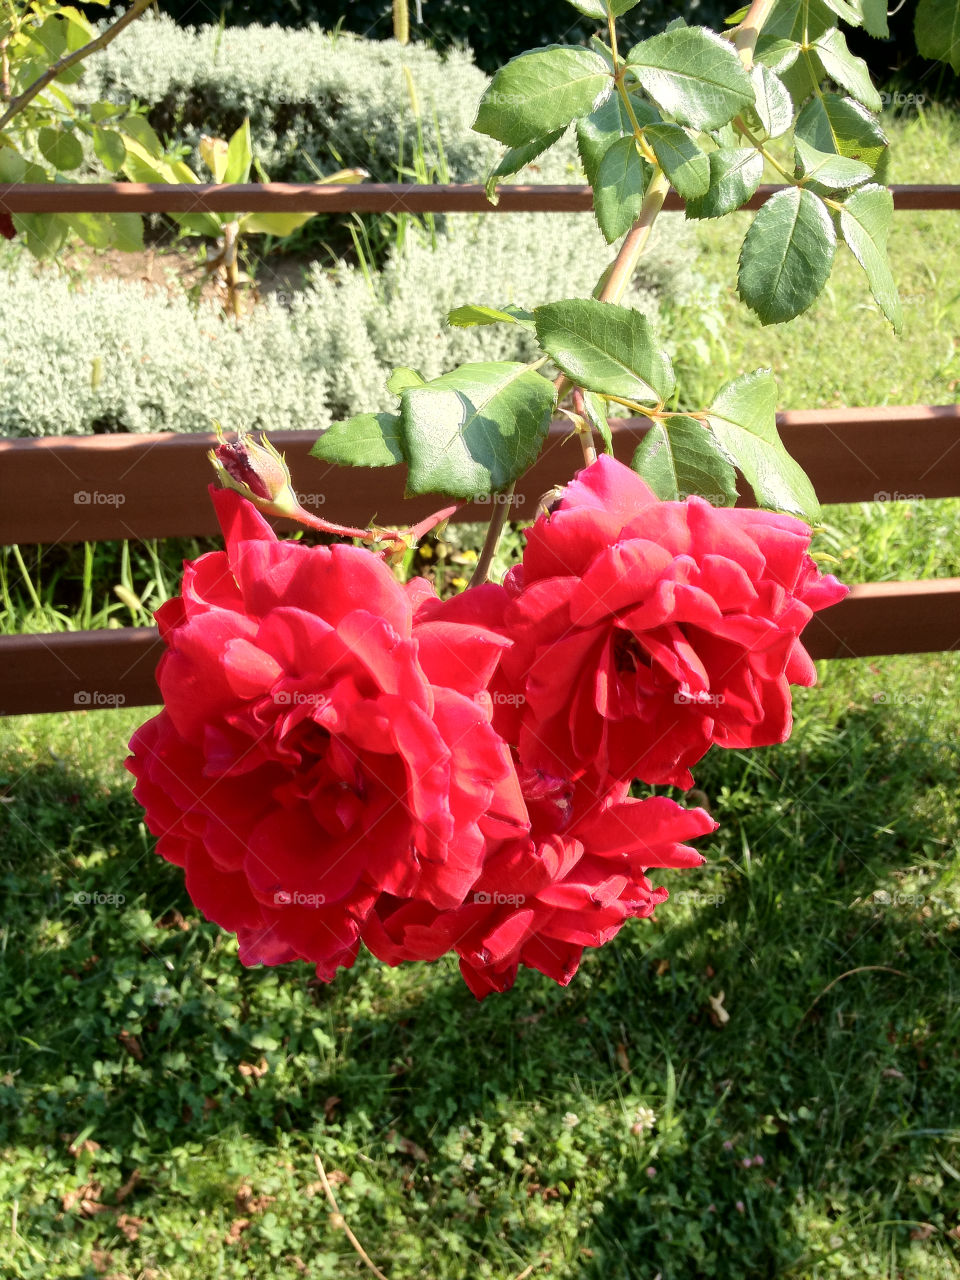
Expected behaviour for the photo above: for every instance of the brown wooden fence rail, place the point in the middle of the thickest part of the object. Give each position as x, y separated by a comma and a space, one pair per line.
69, 489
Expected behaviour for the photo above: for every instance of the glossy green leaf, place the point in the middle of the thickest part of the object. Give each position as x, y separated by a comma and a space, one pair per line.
775, 52
368, 440
595, 412
772, 105
476, 429
744, 420
127, 232
832, 123
138, 128
402, 379
109, 148
735, 174
864, 223
787, 255
273, 224
875, 18
517, 158
936, 25
618, 188
239, 155
539, 92
844, 69
850, 13
44, 234
62, 148
598, 131
475, 314
798, 20
828, 169
686, 166
679, 456
606, 348
694, 75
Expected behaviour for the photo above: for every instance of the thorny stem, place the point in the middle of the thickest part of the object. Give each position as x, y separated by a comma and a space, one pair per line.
494, 530
583, 430
71, 59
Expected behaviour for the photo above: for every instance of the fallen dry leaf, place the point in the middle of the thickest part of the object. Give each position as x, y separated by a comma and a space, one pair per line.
88, 1146
623, 1061
257, 1071
718, 1014
85, 1200
924, 1232
247, 1202
237, 1227
127, 1187
130, 1226
131, 1044
407, 1146
330, 1107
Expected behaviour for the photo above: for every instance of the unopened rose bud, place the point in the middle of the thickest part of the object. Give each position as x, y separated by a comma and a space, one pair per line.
258, 472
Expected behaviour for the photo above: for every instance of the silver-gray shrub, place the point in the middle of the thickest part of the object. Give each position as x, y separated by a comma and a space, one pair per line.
164, 365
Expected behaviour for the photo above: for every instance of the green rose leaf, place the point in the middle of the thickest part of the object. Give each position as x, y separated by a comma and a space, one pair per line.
936, 25
595, 412
786, 256
606, 348
744, 420
864, 223
239, 156
518, 158
694, 75
403, 378
61, 147
680, 456
773, 105
735, 174
476, 429
776, 52
687, 167
850, 13
828, 169
798, 20
109, 148
844, 69
618, 188
273, 224
473, 314
540, 92
832, 123
127, 231
875, 18
598, 131
368, 440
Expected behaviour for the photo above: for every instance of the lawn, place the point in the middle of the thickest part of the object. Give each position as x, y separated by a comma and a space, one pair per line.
791, 1019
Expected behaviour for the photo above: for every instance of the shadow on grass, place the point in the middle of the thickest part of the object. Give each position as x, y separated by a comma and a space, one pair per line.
803, 1091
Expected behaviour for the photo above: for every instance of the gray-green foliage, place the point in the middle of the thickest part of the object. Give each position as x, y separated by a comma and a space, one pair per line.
307, 93
166, 366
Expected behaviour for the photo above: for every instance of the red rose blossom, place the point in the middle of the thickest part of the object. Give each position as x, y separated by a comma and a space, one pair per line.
540, 901
645, 631
317, 749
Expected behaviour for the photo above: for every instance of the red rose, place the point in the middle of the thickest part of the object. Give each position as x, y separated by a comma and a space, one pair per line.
317, 749
540, 901
645, 631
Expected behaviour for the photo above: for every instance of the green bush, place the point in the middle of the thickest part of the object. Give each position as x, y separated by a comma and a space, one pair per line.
315, 101
122, 357
493, 30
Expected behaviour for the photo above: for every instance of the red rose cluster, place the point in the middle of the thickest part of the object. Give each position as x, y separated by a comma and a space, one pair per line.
342, 759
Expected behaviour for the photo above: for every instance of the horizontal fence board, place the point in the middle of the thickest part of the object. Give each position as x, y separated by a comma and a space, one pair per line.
96, 669
92, 488
272, 197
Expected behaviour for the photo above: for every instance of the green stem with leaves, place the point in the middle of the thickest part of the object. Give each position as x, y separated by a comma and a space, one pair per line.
71, 59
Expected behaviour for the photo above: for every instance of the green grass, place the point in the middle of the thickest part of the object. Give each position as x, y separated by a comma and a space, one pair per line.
842, 351
448, 1116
